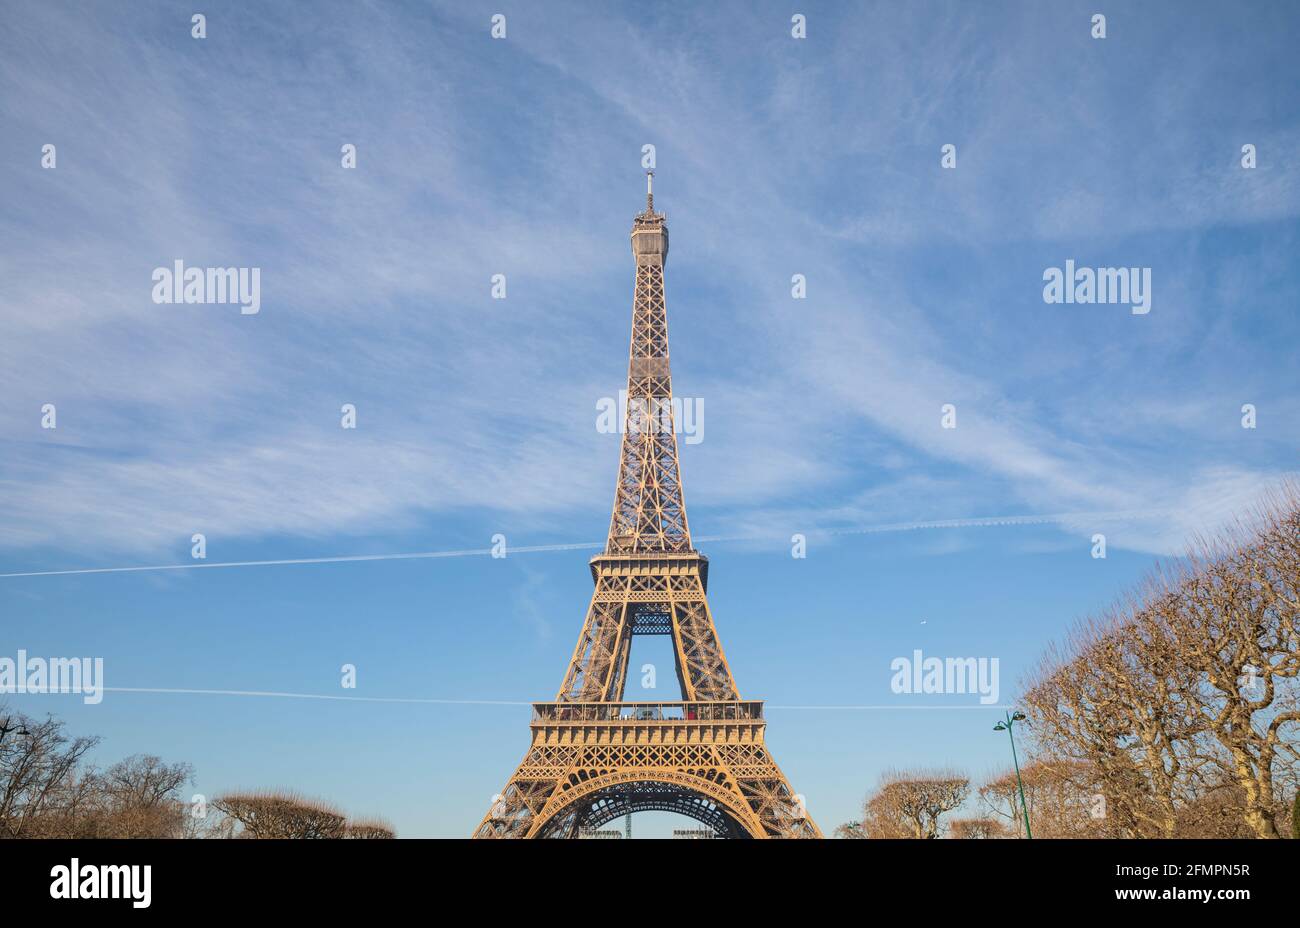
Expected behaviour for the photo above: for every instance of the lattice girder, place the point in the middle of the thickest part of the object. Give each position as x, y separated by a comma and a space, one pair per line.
630, 587
694, 774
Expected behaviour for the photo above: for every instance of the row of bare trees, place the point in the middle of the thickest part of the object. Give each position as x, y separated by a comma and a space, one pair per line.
49, 790
1174, 714
1062, 799
922, 804
1178, 711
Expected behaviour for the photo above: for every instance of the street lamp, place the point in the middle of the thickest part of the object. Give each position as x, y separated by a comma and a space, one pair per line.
1012, 718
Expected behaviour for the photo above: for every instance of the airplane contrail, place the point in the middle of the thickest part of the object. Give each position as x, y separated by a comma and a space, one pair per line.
283, 695
341, 559
469, 702
986, 522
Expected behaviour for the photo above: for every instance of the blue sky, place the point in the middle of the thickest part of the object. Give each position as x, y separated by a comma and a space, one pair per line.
522, 156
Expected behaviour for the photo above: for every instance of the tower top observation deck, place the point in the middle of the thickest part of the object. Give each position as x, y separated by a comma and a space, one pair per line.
650, 229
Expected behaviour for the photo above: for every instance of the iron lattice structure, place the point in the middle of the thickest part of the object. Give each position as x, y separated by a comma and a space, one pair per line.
593, 756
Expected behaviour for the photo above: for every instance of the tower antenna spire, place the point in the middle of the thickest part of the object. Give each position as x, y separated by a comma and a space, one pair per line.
650, 191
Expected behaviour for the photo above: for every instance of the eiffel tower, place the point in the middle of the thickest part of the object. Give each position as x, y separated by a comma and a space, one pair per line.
593, 756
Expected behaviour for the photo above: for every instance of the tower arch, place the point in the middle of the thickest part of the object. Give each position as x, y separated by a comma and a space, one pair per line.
601, 800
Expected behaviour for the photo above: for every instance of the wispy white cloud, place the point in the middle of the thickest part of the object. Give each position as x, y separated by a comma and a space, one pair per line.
180, 419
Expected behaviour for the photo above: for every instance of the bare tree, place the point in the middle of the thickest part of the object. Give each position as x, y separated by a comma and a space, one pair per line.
977, 828
1062, 797
284, 814
38, 773
911, 804
369, 828
281, 814
140, 797
1114, 703
1234, 615
143, 780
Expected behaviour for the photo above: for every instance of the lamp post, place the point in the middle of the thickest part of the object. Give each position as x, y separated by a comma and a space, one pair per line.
1006, 726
